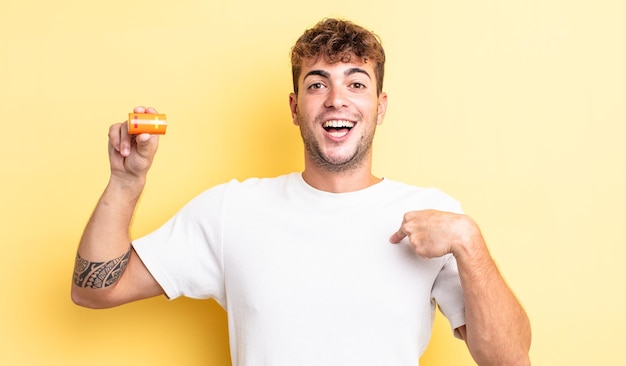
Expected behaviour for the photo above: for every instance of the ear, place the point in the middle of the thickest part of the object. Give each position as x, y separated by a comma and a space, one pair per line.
293, 105
382, 108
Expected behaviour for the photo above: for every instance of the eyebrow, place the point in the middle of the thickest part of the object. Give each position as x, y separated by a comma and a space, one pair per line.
355, 70
326, 74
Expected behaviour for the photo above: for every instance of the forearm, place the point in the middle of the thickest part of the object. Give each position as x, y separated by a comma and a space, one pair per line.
106, 235
104, 250
497, 328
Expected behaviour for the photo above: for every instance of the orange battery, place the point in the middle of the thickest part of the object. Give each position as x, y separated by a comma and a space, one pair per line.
151, 123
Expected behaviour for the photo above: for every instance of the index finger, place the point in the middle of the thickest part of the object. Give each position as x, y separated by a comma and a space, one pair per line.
397, 236
120, 139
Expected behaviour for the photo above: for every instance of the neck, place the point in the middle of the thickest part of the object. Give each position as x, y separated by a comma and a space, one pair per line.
339, 182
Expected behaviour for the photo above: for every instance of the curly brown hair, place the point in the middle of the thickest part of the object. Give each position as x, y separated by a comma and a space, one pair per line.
338, 41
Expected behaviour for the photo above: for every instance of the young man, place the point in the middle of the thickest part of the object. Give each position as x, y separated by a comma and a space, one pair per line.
331, 266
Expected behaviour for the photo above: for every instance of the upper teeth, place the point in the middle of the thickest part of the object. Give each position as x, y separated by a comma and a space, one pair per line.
338, 124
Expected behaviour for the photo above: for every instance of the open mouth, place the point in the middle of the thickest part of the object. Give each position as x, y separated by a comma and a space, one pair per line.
338, 128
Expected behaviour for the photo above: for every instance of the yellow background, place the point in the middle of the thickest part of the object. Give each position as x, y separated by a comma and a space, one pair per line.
516, 108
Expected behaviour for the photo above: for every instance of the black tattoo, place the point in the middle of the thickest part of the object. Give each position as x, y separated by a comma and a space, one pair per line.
99, 274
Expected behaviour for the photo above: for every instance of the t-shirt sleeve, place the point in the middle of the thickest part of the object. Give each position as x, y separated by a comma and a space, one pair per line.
185, 254
447, 290
448, 294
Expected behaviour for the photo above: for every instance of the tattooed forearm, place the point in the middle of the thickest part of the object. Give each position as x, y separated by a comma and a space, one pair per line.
99, 274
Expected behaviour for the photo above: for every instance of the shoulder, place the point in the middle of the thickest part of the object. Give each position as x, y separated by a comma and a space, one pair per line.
422, 197
256, 184
248, 190
248, 184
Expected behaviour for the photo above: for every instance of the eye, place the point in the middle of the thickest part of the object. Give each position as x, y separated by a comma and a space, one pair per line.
316, 86
358, 85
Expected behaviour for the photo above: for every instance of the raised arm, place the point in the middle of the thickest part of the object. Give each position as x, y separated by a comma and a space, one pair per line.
497, 329
107, 271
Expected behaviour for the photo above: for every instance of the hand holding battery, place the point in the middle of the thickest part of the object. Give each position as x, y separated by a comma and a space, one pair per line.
131, 154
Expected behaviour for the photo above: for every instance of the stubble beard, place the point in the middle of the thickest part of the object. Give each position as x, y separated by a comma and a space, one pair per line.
335, 165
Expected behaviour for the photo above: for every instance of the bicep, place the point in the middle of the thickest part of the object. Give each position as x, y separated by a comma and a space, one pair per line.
136, 282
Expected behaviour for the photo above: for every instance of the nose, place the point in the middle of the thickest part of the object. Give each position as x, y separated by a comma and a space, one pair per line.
336, 98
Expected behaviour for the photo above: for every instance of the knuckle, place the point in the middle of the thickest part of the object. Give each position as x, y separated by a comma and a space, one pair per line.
408, 216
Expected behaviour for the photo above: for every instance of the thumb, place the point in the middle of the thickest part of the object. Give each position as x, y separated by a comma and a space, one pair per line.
146, 145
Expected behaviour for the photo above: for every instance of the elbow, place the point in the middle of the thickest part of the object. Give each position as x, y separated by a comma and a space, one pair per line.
81, 300
87, 298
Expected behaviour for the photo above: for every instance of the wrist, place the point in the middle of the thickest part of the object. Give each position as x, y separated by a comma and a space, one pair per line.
470, 244
129, 187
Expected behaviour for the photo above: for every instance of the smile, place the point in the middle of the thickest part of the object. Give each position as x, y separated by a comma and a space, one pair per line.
338, 128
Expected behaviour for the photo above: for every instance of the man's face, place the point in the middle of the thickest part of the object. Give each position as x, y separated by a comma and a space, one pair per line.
337, 110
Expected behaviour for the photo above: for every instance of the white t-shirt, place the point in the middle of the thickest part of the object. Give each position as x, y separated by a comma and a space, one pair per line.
309, 277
